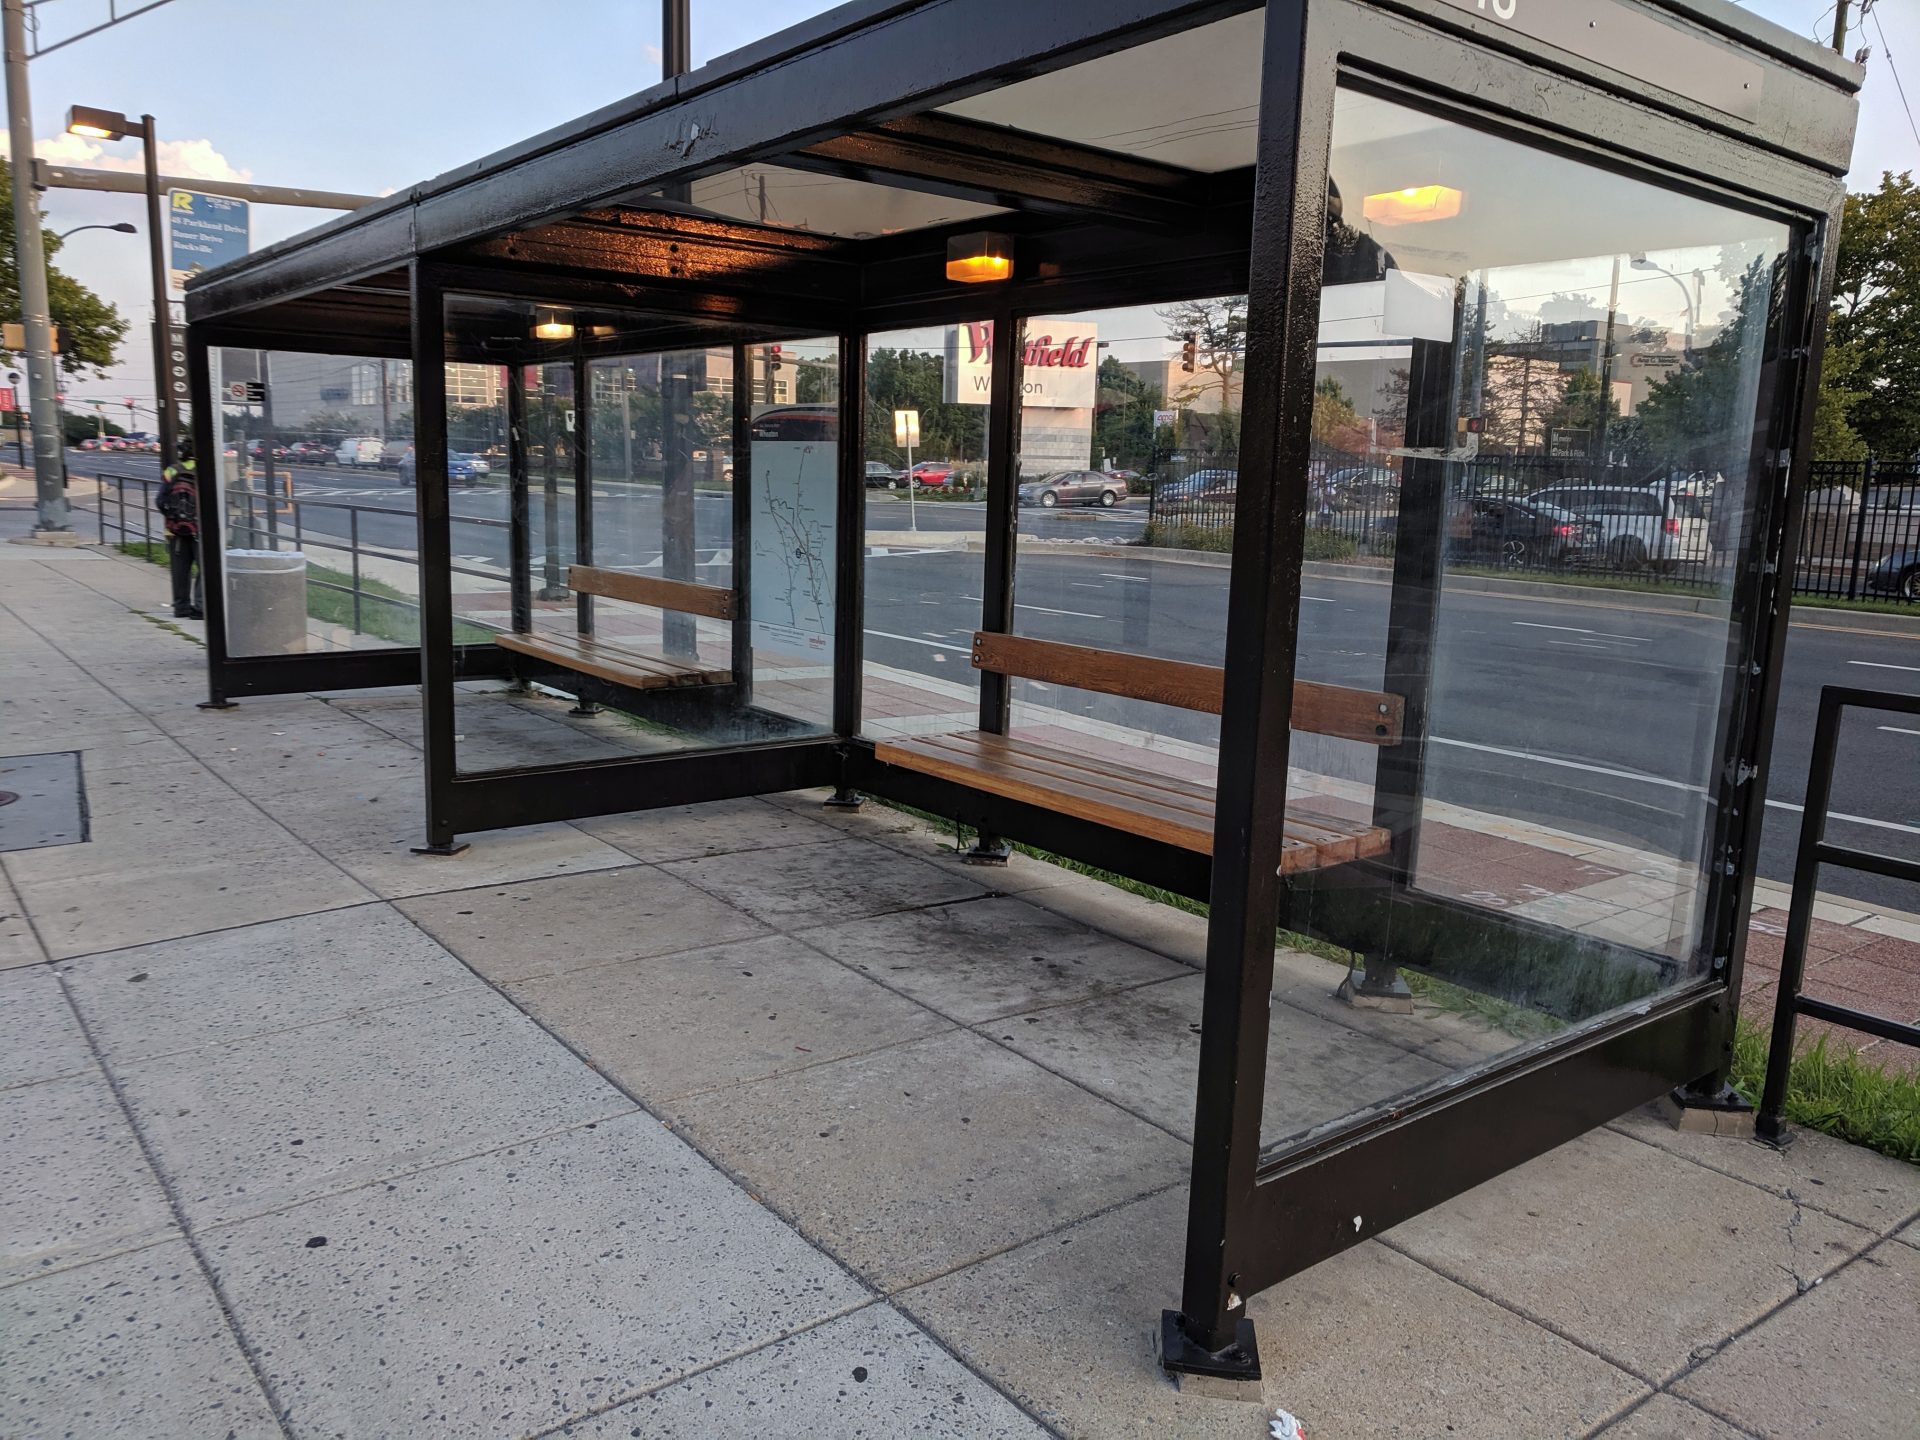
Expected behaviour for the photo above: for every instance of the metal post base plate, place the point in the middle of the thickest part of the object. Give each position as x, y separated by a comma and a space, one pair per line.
216, 705
453, 848
1368, 990
1231, 1374
585, 711
987, 851
844, 800
1725, 1113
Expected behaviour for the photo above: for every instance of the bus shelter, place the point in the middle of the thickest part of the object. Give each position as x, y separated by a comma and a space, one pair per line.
969, 404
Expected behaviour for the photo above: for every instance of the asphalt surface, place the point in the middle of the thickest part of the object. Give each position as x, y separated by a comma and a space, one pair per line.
1588, 713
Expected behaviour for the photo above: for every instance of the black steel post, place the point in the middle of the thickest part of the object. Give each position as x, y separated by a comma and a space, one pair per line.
1210, 1334
1767, 1123
742, 516
1860, 530
266, 454
434, 523
678, 633
167, 417
582, 508
552, 585
850, 554
353, 544
209, 492
1003, 481
519, 514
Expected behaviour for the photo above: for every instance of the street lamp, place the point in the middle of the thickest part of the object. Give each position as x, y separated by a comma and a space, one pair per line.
123, 228
112, 125
1640, 262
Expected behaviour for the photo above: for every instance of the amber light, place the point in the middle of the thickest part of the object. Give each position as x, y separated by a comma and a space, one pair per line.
1412, 205
552, 325
980, 257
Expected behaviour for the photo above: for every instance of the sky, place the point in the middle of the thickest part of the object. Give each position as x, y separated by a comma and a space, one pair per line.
370, 96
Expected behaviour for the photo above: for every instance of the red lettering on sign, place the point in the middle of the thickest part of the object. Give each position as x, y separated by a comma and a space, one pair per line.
1041, 353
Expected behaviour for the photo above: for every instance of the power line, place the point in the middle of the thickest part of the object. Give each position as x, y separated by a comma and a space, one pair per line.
1894, 70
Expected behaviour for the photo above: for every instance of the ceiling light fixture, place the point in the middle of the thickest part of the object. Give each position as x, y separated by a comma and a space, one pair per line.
1413, 204
979, 257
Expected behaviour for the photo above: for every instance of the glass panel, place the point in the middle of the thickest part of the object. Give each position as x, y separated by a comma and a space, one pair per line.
789, 199
1190, 99
596, 544
320, 539
1478, 405
925, 527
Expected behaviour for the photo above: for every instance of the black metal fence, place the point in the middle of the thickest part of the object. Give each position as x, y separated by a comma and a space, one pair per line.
1859, 531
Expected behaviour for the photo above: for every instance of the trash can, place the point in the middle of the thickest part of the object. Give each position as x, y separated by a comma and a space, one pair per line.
266, 602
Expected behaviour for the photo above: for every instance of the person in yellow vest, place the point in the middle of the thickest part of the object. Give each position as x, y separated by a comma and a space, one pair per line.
179, 502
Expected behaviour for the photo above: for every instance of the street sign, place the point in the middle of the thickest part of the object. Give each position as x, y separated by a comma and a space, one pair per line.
204, 231
8, 400
246, 392
906, 428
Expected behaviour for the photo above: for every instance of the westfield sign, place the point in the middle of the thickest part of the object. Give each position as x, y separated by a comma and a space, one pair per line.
1057, 363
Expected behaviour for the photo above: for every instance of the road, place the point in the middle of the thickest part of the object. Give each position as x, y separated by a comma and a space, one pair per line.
1589, 712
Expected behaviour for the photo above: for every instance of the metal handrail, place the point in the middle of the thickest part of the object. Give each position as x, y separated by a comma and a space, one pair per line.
1816, 850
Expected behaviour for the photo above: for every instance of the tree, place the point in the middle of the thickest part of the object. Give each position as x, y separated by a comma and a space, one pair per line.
1123, 428
92, 328
1586, 407
1876, 309
1834, 437
1219, 330
1701, 417
1524, 382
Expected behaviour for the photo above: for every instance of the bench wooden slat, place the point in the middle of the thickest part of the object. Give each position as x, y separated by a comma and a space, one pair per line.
716, 602
1110, 793
1370, 716
637, 669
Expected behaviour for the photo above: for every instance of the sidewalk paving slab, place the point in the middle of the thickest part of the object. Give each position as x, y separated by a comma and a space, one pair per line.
813, 885
990, 957
508, 1292
873, 1373
77, 1187
1580, 1238
39, 1038
259, 1123
154, 1000
1844, 1361
929, 1155
687, 832
1849, 1182
518, 931
131, 1346
1665, 1417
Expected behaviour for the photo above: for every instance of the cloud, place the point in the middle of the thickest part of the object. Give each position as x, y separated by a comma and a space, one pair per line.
191, 159
653, 53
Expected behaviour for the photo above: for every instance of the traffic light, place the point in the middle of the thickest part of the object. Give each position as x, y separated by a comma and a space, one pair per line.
1188, 350
774, 352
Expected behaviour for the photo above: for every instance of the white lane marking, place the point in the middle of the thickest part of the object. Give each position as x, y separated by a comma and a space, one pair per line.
1130, 579
1882, 665
1576, 630
1049, 610
1083, 585
930, 644
1580, 644
1899, 730
1316, 599
1663, 782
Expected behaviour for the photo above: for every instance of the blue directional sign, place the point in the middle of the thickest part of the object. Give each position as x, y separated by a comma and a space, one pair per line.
204, 231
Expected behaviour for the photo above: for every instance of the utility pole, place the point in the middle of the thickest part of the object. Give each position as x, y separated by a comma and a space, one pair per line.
1840, 27
30, 263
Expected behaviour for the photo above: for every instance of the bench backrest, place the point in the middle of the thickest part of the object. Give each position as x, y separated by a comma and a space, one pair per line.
1371, 716
717, 602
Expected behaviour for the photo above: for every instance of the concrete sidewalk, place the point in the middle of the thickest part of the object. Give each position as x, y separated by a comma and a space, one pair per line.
748, 1118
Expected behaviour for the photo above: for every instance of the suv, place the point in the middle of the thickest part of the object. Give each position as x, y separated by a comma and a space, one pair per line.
1637, 527
363, 450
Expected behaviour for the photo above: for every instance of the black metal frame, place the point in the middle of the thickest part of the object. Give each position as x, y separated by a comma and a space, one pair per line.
839, 95
1814, 851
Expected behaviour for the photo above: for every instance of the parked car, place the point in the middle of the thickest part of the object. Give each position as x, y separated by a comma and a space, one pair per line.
361, 450
1074, 487
882, 476
462, 469
1363, 487
932, 474
1638, 526
1897, 574
1209, 492
311, 452
1519, 533
393, 452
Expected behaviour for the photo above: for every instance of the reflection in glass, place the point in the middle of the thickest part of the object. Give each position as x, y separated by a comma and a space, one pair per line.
1530, 369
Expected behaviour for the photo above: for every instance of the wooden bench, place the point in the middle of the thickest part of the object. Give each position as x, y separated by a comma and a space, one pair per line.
1093, 784
620, 661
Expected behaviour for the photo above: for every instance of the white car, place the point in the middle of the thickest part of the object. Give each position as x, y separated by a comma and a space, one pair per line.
363, 450
1639, 526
